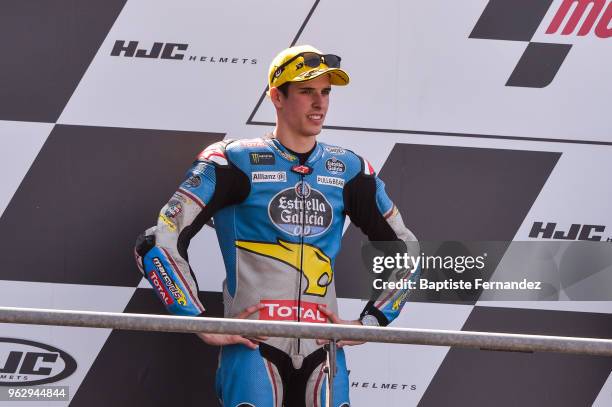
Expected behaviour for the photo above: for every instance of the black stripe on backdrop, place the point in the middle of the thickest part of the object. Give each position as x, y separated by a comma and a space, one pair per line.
91, 190
470, 377
47, 46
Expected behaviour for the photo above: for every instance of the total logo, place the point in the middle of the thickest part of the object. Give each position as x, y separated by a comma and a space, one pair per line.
576, 231
301, 210
508, 21
172, 51
161, 291
288, 310
27, 363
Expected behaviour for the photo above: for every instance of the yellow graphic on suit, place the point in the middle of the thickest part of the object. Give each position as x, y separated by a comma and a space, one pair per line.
167, 221
316, 265
399, 301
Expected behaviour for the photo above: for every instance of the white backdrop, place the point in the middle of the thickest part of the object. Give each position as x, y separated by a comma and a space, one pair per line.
416, 79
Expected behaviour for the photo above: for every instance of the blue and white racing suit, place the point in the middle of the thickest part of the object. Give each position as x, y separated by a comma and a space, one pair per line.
279, 225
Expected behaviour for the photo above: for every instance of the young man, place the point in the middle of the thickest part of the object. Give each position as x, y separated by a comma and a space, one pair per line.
279, 205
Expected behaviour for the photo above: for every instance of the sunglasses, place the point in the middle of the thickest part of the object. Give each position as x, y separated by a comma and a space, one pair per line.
312, 60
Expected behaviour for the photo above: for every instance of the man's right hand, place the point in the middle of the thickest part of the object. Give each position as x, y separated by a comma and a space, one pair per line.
223, 339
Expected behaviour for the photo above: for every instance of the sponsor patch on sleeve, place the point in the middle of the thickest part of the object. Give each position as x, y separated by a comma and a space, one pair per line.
160, 289
168, 282
173, 208
193, 181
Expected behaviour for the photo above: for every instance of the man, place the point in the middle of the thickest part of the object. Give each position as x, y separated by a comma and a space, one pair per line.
279, 205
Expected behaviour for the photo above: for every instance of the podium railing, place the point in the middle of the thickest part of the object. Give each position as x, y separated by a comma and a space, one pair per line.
167, 323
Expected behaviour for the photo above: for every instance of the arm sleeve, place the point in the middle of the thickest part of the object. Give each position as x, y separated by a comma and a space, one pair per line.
212, 183
370, 208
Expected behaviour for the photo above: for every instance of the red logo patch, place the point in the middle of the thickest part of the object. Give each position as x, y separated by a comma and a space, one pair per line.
301, 169
287, 310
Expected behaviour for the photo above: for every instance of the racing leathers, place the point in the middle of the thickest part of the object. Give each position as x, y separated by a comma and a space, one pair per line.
279, 225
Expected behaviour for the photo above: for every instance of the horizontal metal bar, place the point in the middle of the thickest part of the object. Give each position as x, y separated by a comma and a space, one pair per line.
167, 323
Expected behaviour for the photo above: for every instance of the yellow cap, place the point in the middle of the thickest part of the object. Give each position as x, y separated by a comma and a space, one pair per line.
297, 71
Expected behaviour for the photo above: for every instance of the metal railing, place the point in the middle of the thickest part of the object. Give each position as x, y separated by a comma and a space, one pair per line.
167, 323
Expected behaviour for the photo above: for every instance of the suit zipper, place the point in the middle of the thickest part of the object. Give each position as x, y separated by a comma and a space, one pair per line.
301, 273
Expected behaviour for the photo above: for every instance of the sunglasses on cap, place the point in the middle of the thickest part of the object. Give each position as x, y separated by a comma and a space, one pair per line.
312, 60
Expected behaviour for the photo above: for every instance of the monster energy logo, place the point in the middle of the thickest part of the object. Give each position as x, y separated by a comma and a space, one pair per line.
262, 158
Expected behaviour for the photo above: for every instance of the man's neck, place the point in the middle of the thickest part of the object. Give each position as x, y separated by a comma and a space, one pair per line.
299, 144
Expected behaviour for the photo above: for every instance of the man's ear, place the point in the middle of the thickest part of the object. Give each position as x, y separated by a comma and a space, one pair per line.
276, 97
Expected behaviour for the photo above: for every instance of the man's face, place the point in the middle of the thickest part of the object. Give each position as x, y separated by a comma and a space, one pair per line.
303, 110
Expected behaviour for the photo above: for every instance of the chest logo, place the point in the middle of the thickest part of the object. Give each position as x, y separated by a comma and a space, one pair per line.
334, 150
301, 210
269, 176
335, 166
331, 181
262, 158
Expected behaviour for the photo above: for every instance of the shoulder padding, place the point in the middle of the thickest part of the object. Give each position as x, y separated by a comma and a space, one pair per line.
366, 168
215, 153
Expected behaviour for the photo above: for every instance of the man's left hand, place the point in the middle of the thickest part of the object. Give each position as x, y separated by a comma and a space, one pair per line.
335, 319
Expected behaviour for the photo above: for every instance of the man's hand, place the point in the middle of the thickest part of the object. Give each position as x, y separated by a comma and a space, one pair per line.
335, 319
223, 339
